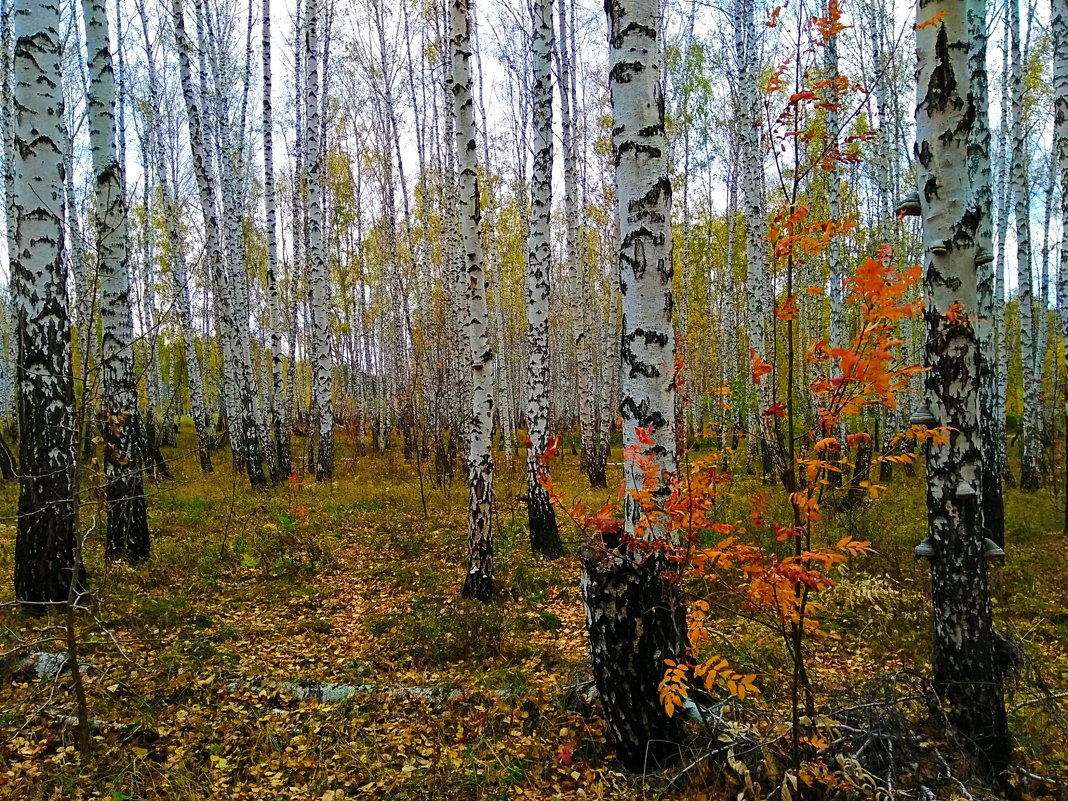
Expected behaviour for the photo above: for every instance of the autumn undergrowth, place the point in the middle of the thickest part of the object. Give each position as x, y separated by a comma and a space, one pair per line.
350, 583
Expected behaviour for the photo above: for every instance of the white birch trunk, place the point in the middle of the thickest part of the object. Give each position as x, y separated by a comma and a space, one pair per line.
759, 297
965, 671
478, 583
277, 406
634, 615
318, 277
992, 507
127, 533
46, 559
1031, 446
544, 536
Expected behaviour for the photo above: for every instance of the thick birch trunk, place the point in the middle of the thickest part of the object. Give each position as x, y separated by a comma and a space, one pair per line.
966, 675
635, 616
127, 533
46, 554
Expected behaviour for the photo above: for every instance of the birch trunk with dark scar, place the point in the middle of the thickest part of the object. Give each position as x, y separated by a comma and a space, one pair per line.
478, 582
1030, 446
1059, 26
127, 532
966, 675
279, 421
635, 616
544, 535
45, 542
991, 503
318, 278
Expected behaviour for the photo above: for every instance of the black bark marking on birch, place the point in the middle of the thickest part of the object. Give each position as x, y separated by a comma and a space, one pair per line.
629, 649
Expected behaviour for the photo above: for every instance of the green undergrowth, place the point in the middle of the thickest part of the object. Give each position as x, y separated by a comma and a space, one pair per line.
357, 581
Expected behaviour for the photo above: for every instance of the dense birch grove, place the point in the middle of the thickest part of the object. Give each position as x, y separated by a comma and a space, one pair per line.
486, 238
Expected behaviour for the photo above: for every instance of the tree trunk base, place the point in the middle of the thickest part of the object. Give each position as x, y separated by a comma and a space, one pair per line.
636, 619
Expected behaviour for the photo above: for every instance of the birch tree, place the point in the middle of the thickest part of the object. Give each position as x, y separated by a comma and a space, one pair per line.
544, 535
237, 402
277, 406
46, 553
1059, 26
1021, 188
965, 672
478, 582
759, 296
634, 615
127, 534
318, 277
202, 426
992, 505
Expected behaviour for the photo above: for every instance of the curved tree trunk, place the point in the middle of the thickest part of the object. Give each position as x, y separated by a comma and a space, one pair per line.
1030, 451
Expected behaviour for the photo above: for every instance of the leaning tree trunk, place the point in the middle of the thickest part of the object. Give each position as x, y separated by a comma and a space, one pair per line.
213, 248
635, 615
46, 558
966, 675
544, 535
478, 583
127, 534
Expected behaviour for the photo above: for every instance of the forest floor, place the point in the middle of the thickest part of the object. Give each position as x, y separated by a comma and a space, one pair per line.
188, 657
